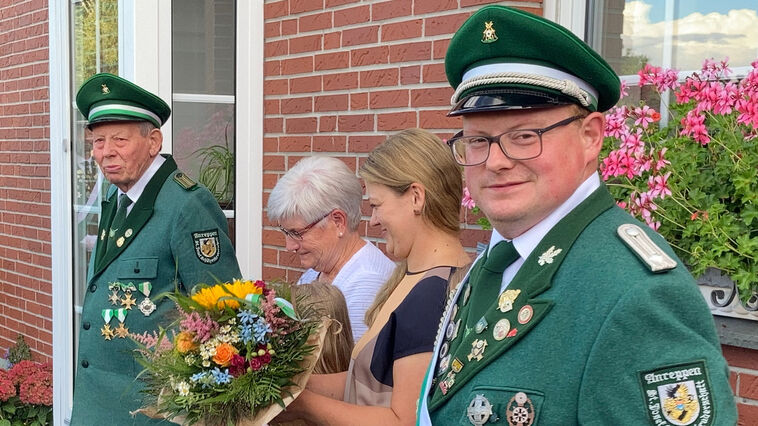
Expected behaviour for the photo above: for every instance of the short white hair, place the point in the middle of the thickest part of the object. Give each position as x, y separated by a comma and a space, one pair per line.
312, 188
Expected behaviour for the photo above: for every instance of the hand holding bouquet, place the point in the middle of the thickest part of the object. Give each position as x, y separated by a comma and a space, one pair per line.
239, 354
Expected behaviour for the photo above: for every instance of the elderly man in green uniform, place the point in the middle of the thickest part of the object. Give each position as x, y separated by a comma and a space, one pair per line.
576, 313
158, 231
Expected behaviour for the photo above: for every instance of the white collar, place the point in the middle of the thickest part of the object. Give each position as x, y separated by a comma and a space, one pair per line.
136, 191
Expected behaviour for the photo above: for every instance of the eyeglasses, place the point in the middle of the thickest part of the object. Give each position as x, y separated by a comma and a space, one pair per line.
522, 144
297, 234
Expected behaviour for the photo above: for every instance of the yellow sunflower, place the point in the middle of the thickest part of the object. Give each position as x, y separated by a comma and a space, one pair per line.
208, 297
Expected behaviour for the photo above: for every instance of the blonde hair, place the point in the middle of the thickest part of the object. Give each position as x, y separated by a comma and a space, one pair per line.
325, 300
416, 156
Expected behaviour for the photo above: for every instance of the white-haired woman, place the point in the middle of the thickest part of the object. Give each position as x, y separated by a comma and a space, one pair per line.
317, 205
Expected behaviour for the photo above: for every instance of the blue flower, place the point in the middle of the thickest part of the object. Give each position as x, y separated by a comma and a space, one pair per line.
246, 317
198, 376
221, 377
260, 328
246, 333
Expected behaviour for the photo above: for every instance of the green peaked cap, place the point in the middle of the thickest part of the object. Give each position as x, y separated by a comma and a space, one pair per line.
503, 58
106, 97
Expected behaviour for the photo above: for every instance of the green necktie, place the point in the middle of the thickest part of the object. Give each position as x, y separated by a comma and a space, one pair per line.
486, 280
118, 220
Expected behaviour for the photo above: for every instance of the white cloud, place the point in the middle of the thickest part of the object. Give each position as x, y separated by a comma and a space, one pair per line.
696, 36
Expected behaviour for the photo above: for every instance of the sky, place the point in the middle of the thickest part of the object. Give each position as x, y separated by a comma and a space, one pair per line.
703, 29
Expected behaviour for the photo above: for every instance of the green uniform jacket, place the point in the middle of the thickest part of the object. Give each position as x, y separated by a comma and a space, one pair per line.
175, 235
593, 338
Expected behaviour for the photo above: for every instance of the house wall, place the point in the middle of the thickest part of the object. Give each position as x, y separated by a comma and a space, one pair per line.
25, 262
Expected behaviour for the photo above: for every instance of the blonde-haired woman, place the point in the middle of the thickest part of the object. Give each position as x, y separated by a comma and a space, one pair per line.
414, 187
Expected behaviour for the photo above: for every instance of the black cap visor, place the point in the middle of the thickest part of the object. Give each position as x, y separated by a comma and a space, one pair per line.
502, 99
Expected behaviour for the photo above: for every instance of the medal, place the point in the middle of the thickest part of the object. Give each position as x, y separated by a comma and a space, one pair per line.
120, 242
114, 298
144, 288
520, 410
107, 332
456, 365
477, 349
501, 329
127, 301
128, 233
454, 313
128, 288
480, 326
525, 314
121, 331
506, 299
479, 410
114, 286
147, 307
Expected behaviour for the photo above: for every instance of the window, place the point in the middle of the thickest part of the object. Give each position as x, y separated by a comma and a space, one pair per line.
203, 86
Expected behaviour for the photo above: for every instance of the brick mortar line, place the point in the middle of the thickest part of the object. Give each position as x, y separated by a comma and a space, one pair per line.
741, 400
743, 370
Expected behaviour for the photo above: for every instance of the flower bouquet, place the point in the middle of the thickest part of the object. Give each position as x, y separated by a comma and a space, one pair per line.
26, 394
240, 354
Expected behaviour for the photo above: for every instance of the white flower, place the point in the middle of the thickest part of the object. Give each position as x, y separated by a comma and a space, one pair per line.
183, 388
206, 363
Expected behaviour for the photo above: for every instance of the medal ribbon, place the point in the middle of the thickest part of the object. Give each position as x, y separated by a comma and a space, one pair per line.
121, 314
107, 315
145, 288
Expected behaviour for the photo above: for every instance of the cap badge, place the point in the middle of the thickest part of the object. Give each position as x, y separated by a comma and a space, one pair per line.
105, 89
488, 35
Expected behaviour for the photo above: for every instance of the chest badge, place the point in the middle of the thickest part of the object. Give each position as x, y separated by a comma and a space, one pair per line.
520, 410
477, 349
479, 410
548, 256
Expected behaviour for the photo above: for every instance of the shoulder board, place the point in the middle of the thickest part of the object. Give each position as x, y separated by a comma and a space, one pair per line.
645, 249
184, 181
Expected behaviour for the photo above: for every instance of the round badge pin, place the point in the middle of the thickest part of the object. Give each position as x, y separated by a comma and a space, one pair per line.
444, 364
501, 329
128, 233
120, 242
449, 331
444, 349
525, 314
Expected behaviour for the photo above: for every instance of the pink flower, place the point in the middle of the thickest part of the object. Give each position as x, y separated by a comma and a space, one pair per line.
632, 142
203, 327
694, 126
467, 201
645, 116
658, 186
624, 89
7, 387
615, 122
660, 161
663, 79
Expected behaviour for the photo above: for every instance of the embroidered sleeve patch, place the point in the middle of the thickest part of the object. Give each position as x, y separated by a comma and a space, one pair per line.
207, 246
678, 394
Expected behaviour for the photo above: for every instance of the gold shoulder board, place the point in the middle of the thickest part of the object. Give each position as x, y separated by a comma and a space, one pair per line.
184, 181
645, 249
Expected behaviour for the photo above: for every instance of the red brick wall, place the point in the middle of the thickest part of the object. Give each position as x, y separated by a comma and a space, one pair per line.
25, 274
342, 75
743, 364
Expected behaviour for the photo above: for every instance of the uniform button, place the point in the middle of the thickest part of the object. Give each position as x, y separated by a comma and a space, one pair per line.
85, 325
85, 364
93, 287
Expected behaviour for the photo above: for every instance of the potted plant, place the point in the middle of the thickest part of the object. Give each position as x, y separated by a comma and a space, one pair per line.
694, 179
217, 171
26, 389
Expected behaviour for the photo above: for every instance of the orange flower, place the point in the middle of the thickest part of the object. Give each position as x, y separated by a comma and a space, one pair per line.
224, 354
209, 297
184, 342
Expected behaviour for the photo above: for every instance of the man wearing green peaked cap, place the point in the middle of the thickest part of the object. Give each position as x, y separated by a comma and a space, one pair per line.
158, 231
576, 313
